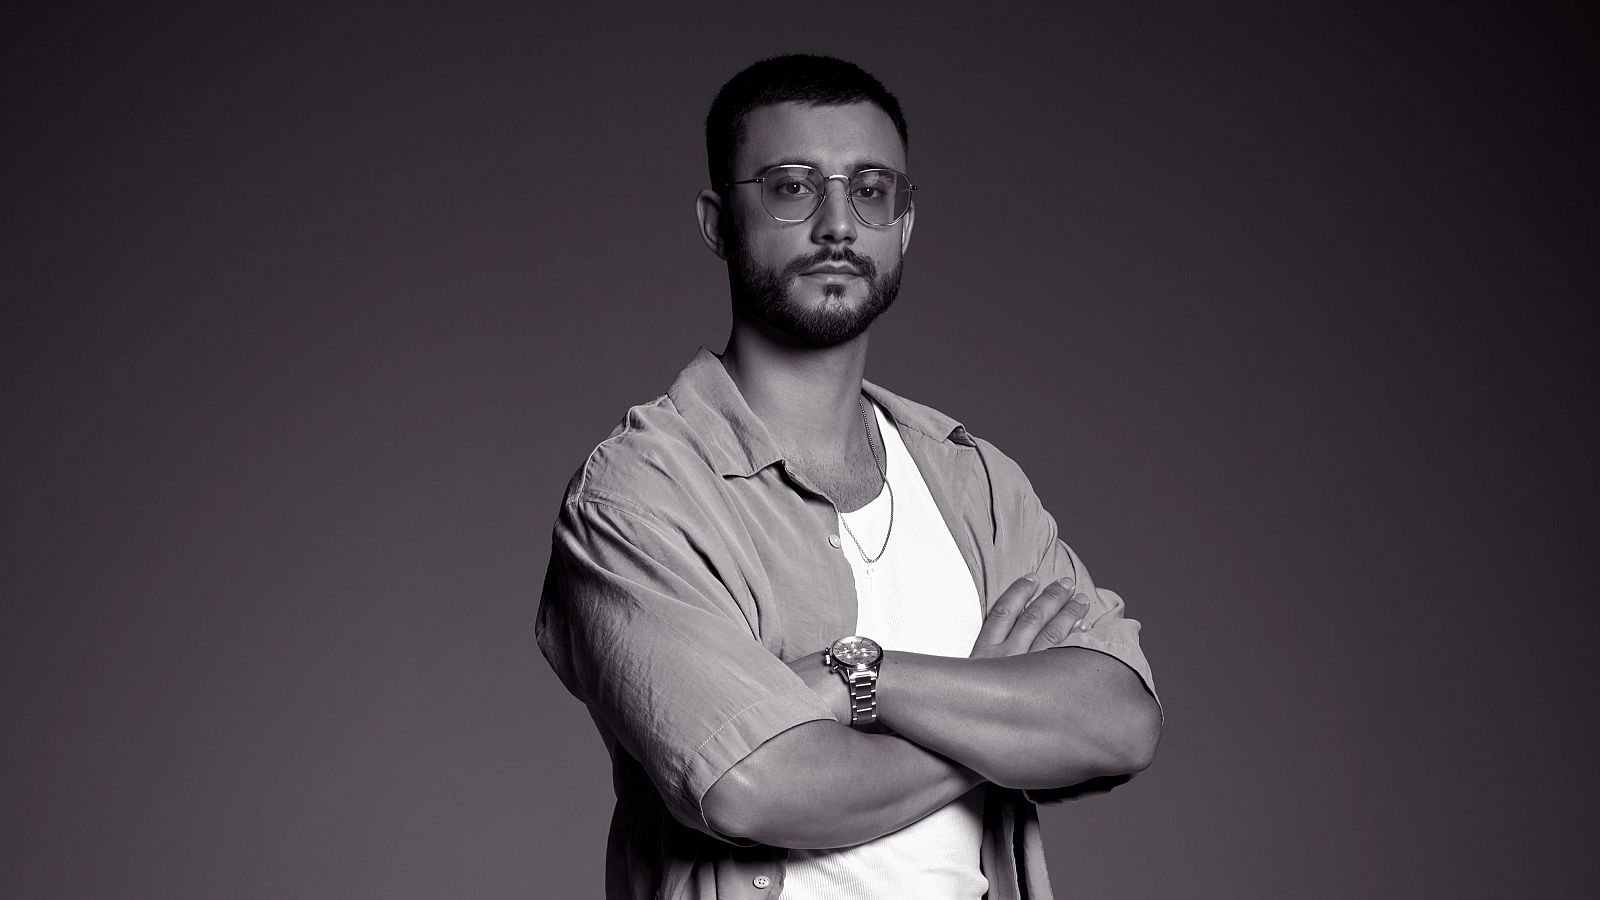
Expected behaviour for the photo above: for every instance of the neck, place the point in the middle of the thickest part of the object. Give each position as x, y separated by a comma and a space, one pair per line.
808, 398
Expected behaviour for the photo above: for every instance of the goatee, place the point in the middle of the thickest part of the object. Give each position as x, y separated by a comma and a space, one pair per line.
764, 295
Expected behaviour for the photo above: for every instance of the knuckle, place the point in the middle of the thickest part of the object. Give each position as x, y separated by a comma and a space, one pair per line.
1053, 635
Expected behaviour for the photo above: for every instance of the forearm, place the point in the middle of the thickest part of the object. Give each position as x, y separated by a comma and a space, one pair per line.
1035, 720
822, 784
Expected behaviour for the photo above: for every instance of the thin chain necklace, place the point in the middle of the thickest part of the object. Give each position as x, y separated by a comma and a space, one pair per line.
883, 473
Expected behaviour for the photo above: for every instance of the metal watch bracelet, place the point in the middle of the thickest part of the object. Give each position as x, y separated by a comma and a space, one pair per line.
863, 688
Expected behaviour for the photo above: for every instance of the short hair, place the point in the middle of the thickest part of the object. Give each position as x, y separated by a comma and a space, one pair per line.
793, 78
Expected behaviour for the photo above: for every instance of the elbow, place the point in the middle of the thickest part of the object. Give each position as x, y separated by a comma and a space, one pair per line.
729, 810
1126, 732
778, 795
1107, 747
1132, 746
742, 808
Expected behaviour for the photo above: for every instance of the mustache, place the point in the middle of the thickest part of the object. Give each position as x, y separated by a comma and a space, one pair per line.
869, 269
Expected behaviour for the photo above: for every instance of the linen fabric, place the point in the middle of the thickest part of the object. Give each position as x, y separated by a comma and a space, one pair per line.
689, 562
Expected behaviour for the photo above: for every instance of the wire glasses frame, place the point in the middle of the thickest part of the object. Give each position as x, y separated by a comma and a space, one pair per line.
793, 193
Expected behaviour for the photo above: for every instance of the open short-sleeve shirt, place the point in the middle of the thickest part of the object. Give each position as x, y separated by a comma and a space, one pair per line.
690, 563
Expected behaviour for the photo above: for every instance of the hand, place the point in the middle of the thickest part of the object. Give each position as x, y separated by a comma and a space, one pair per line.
1015, 625
825, 683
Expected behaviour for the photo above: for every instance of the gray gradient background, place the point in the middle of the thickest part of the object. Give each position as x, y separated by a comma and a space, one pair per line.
310, 313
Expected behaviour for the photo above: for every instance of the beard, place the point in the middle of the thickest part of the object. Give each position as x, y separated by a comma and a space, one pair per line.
764, 295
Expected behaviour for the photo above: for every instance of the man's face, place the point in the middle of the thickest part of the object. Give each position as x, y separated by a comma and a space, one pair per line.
778, 270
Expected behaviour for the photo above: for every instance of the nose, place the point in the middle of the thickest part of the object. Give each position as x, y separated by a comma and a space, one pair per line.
835, 220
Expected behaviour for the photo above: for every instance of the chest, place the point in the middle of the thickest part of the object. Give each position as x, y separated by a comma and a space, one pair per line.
917, 592
791, 567
850, 484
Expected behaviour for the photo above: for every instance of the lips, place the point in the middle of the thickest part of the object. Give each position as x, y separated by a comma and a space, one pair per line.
834, 269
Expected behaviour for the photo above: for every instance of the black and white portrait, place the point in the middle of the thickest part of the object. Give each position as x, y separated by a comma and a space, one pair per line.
710, 451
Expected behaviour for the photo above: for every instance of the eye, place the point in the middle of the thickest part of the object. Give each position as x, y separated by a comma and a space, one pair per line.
791, 183
872, 187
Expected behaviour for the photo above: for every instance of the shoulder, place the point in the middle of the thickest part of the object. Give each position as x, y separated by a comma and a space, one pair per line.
650, 464
1005, 474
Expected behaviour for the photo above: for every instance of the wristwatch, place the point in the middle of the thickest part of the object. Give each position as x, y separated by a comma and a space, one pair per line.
856, 659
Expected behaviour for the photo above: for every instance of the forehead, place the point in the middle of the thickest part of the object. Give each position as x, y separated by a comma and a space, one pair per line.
836, 139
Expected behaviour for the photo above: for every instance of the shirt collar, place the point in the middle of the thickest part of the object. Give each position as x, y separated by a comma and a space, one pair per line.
738, 443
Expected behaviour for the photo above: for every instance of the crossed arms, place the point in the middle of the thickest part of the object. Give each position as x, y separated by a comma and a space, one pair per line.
1016, 712
653, 629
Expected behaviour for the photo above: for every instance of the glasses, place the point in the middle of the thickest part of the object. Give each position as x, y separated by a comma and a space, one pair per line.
792, 193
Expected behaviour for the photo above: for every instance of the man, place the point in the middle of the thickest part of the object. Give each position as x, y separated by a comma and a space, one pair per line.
830, 639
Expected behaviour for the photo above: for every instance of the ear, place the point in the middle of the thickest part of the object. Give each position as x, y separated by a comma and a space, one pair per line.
708, 208
906, 222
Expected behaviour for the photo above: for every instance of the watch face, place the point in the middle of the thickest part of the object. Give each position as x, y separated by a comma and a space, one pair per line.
856, 651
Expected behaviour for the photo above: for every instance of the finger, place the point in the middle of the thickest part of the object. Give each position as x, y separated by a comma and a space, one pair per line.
997, 623
1044, 609
1072, 617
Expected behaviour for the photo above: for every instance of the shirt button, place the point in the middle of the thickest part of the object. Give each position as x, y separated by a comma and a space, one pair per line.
763, 881
833, 540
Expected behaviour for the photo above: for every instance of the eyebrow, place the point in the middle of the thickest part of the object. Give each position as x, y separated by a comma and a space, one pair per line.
853, 167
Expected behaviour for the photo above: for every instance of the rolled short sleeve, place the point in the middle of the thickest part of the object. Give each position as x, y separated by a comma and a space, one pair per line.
1111, 632
636, 624
1027, 525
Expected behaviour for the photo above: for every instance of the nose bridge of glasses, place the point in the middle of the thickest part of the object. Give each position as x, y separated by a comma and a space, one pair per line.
844, 192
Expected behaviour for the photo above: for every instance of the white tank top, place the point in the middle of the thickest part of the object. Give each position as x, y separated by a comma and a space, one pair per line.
918, 597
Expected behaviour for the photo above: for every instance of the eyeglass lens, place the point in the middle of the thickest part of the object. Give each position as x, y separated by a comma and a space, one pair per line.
793, 193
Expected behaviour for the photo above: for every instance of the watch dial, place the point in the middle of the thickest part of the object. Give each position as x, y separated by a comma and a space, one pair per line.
856, 651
